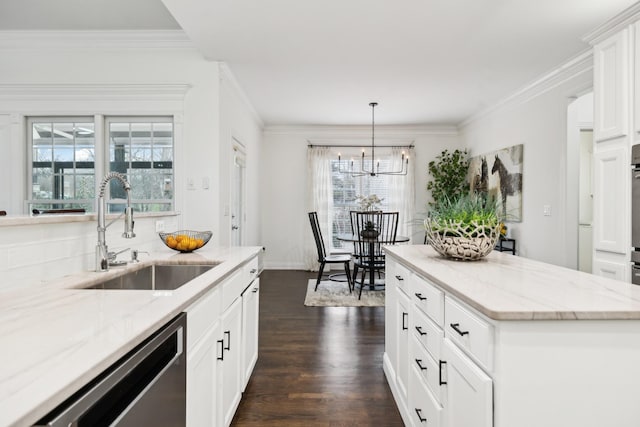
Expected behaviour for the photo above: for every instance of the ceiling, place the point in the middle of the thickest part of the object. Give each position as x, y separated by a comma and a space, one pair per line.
322, 62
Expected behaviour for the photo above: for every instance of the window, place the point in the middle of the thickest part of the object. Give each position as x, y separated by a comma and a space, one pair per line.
64, 152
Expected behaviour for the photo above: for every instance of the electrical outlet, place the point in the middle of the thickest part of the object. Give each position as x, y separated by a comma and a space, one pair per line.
191, 185
159, 226
546, 210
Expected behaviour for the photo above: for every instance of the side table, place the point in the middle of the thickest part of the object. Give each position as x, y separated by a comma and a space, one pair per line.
506, 244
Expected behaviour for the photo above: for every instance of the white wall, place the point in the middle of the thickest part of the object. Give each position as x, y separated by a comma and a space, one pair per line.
113, 73
537, 118
285, 224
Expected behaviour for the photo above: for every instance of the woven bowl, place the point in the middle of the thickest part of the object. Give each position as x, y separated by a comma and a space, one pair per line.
453, 240
185, 241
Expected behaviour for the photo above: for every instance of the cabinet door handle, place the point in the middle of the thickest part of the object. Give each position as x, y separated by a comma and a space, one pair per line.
221, 357
420, 297
254, 290
456, 327
419, 363
419, 329
228, 334
440, 380
404, 316
419, 412
253, 270
400, 278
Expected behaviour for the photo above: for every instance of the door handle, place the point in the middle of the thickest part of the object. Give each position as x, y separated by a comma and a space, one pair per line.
234, 227
228, 334
404, 316
221, 357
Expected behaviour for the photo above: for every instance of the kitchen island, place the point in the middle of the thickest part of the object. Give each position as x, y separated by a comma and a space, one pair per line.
57, 337
508, 341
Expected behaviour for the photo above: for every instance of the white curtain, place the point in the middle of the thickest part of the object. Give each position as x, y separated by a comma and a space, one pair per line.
319, 199
402, 191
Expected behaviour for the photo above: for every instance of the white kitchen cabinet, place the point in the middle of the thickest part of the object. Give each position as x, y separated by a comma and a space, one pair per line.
202, 384
231, 370
390, 321
468, 398
250, 322
611, 87
402, 369
222, 347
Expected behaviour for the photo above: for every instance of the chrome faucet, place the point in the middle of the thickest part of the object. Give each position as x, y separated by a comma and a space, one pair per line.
102, 252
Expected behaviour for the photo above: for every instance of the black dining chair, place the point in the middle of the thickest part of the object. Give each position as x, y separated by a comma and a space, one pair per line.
386, 226
323, 258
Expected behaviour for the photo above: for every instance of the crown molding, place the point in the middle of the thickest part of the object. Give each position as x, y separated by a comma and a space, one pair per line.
130, 39
79, 91
227, 75
580, 64
328, 132
613, 25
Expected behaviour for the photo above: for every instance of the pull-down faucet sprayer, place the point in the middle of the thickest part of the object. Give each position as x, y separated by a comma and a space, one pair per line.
102, 253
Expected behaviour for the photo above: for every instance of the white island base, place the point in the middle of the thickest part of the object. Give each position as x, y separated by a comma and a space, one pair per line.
460, 352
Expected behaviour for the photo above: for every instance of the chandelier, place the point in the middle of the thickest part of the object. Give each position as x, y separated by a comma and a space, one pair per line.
374, 168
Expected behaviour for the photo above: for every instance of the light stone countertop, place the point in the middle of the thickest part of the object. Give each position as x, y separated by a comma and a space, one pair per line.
507, 287
55, 338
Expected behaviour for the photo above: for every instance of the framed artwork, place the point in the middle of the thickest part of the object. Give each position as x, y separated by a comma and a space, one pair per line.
498, 174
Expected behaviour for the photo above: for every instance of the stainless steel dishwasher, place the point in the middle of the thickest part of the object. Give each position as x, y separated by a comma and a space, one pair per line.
146, 387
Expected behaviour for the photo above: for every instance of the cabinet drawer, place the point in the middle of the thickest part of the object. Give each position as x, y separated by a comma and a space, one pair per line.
400, 277
429, 298
426, 332
232, 287
201, 315
251, 270
427, 367
423, 408
469, 332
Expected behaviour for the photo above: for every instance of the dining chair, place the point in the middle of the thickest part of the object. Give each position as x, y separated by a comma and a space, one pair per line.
386, 224
325, 259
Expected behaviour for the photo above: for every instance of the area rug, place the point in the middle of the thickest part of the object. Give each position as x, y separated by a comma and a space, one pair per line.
336, 294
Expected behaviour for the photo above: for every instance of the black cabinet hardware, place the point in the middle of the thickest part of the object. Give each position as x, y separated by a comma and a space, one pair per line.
221, 357
255, 290
419, 412
404, 316
419, 329
420, 297
441, 362
419, 363
456, 327
228, 334
399, 277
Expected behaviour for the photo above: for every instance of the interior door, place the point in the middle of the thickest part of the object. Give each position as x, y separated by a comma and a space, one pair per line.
238, 171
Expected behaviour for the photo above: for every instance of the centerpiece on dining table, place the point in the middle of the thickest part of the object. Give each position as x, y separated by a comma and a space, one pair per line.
369, 203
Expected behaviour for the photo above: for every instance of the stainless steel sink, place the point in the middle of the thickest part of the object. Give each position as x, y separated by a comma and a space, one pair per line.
155, 277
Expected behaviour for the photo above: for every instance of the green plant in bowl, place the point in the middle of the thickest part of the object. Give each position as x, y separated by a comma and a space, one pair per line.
464, 228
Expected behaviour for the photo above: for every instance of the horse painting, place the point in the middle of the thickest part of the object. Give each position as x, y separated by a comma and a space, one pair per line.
480, 184
510, 183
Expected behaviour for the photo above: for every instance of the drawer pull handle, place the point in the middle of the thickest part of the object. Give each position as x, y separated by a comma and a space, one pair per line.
456, 327
254, 290
399, 277
404, 316
221, 357
440, 380
419, 329
228, 347
419, 412
253, 270
420, 297
419, 363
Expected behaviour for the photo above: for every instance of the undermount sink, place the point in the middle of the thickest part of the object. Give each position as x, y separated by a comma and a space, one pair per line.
155, 277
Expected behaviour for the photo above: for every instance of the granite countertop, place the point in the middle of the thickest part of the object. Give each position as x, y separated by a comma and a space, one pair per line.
507, 287
55, 337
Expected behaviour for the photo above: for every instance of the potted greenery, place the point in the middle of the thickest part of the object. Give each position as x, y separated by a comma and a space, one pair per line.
465, 228
449, 172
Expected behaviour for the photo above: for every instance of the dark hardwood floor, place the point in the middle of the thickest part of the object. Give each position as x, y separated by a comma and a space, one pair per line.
317, 366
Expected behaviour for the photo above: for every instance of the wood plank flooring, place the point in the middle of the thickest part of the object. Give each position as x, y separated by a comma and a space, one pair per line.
317, 366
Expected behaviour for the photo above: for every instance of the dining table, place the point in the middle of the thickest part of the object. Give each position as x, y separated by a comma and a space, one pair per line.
372, 241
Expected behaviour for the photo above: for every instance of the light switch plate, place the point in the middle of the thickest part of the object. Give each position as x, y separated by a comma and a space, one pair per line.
159, 226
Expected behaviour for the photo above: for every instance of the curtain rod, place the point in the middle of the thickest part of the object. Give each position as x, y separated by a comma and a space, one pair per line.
361, 146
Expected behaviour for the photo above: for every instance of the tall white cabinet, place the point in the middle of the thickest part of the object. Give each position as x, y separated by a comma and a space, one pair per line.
616, 48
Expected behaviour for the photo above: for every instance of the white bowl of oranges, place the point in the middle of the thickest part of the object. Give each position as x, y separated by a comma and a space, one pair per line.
185, 240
